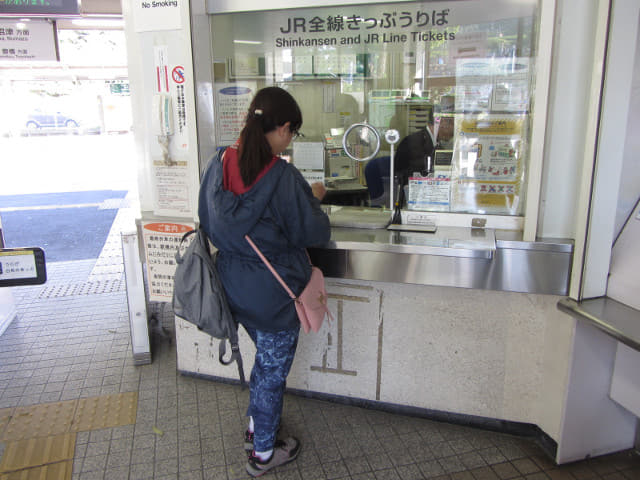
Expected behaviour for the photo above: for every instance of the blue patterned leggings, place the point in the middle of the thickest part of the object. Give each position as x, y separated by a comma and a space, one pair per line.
274, 356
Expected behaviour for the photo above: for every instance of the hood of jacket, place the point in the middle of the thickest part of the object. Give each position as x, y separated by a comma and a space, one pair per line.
228, 217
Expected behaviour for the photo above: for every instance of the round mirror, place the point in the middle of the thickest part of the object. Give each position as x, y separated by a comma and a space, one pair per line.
392, 136
361, 142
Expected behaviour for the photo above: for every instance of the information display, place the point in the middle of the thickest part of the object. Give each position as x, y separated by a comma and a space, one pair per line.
30, 8
22, 266
28, 41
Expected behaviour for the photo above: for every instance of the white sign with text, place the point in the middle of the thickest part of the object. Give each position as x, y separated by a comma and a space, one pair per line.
154, 15
32, 40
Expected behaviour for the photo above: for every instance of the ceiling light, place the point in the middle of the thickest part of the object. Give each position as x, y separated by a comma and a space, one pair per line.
97, 22
248, 42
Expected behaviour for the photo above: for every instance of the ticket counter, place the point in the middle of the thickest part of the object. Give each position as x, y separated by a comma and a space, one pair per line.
460, 323
452, 322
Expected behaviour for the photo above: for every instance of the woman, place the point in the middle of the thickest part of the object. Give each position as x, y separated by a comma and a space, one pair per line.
250, 190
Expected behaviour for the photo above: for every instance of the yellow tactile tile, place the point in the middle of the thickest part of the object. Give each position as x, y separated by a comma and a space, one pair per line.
105, 411
37, 452
5, 416
56, 471
44, 420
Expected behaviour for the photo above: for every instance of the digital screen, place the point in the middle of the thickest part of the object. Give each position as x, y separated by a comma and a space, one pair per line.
39, 7
16, 265
443, 158
22, 266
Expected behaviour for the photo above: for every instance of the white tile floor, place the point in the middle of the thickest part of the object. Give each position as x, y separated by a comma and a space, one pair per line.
69, 343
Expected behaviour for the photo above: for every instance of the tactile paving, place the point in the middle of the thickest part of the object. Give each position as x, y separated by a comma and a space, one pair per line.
44, 420
37, 452
105, 411
55, 471
83, 288
5, 416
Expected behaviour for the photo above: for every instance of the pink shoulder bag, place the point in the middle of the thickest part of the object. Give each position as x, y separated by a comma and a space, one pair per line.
311, 305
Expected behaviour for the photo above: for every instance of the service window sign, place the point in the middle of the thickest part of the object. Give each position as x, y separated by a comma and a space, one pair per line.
393, 65
33, 40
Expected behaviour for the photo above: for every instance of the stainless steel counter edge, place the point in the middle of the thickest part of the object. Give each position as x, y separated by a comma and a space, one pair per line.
411, 249
516, 266
378, 240
614, 318
509, 239
562, 246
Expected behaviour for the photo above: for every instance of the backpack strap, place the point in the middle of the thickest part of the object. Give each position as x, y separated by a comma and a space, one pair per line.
236, 356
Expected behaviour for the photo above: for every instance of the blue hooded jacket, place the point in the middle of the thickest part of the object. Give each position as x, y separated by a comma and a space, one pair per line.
282, 217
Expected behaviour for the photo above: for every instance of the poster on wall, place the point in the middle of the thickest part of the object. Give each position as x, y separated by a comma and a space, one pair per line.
510, 85
232, 101
161, 240
474, 84
429, 193
171, 183
488, 164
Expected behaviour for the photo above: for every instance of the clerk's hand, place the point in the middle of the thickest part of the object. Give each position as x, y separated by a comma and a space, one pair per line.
318, 190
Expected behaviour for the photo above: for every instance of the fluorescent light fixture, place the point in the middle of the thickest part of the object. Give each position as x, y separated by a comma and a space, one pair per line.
248, 42
97, 22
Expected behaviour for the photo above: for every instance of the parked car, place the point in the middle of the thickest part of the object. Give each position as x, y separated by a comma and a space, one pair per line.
38, 119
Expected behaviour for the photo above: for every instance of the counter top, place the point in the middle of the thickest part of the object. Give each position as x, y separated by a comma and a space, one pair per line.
445, 241
614, 318
365, 229
362, 248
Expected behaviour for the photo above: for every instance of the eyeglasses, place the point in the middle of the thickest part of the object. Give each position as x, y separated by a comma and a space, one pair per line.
297, 134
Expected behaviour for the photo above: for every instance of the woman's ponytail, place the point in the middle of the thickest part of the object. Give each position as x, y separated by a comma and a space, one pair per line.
271, 107
255, 151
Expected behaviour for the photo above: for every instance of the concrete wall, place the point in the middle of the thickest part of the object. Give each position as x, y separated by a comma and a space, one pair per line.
489, 354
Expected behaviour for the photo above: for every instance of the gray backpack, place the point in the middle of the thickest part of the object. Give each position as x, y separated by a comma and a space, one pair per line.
198, 296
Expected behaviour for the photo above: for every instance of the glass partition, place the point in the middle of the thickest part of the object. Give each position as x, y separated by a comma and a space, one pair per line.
455, 79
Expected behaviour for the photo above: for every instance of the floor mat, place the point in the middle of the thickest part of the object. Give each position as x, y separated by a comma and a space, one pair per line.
77, 231
59, 198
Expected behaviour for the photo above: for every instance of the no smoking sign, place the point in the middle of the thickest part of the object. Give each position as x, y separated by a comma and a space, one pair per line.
178, 74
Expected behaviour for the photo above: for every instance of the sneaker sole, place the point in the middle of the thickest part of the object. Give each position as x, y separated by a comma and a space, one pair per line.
257, 473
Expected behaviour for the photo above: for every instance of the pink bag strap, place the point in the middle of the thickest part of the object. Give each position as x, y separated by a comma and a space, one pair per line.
270, 267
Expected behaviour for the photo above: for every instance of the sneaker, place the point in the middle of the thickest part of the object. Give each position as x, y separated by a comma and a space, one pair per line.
248, 441
284, 451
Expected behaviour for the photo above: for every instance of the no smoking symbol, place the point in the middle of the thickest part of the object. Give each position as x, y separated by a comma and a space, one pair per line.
178, 74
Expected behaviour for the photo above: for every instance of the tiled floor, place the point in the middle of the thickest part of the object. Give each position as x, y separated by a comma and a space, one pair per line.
69, 343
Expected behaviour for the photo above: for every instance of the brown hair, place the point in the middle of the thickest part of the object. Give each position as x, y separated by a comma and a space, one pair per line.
272, 107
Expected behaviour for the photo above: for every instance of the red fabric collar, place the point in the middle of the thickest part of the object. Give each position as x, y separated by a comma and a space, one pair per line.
232, 180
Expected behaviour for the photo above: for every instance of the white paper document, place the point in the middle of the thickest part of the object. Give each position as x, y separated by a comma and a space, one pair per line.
308, 155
